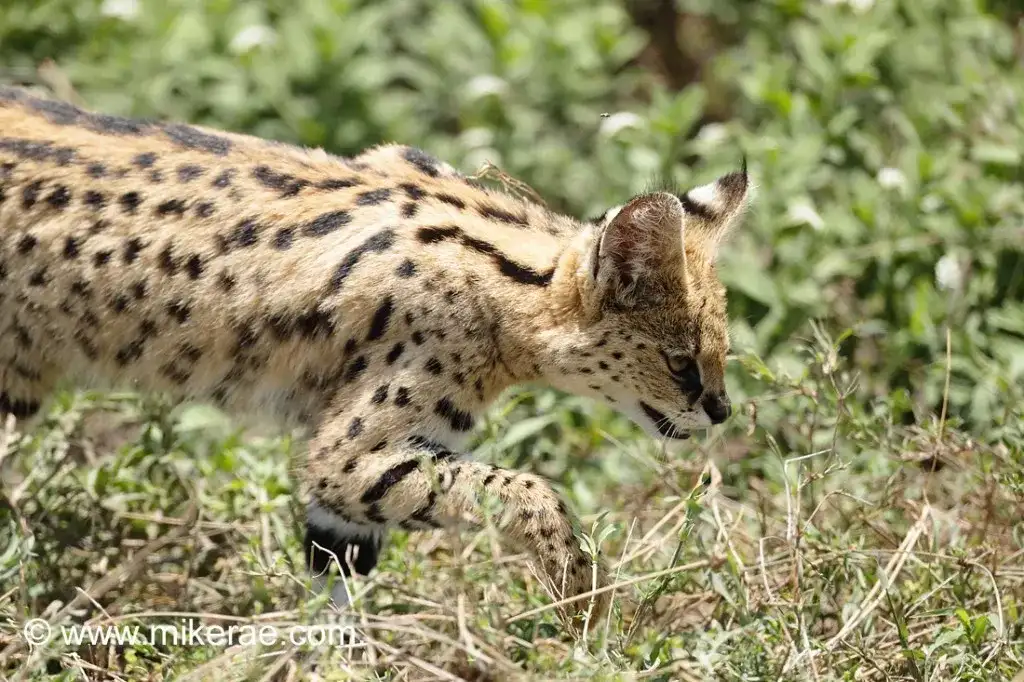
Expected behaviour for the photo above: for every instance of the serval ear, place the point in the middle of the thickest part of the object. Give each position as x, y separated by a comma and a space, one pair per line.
713, 210
637, 249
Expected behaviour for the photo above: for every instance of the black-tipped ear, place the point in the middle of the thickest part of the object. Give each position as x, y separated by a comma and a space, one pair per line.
641, 244
713, 209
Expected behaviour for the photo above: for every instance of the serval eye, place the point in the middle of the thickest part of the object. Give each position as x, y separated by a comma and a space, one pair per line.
684, 370
678, 363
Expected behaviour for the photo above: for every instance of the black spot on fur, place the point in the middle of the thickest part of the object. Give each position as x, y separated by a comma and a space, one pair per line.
373, 197
95, 200
101, 258
55, 111
177, 375
179, 310
378, 243
355, 369
116, 125
131, 250
246, 233
204, 209
130, 201
423, 162
166, 260
379, 323
409, 209
130, 352
81, 288
37, 151
315, 323
59, 198
224, 178
327, 223
337, 183
176, 206
38, 278
389, 479
395, 353
96, 170
418, 338
452, 200
30, 194
287, 185
502, 215
26, 244
189, 172
406, 269
190, 353
21, 336
194, 266
458, 419
191, 138
402, 397
520, 273
355, 428
380, 395
144, 160
71, 248
284, 238
434, 366
414, 192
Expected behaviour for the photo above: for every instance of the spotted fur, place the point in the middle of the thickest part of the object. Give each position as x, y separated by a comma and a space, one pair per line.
383, 302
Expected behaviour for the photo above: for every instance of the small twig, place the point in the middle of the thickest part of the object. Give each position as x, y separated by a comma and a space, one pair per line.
488, 169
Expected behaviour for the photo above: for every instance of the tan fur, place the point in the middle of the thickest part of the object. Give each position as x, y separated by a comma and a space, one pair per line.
382, 301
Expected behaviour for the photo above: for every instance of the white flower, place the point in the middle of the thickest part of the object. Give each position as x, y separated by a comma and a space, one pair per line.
620, 121
712, 134
121, 9
931, 203
855, 5
477, 137
249, 37
892, 178
949, 273
860, 5
802, 212
481, 86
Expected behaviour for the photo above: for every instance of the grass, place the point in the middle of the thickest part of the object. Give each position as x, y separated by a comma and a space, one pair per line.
812, 538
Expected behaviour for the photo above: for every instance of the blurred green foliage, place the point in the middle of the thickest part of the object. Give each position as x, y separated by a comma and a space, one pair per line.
885, 137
